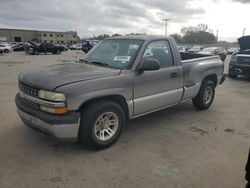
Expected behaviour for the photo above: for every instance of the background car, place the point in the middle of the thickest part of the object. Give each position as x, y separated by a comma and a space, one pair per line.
240, 61
86, 46
19, 47
93, 42
214, 51
195, 49
232, 50
66, 48
75, 47
36, 48
1, 52
13, 44
5, 47
181, 48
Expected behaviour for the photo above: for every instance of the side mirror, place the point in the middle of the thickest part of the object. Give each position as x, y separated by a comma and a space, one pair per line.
149, 64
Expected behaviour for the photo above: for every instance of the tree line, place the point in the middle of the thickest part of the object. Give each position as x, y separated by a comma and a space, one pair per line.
104, 36
199, 34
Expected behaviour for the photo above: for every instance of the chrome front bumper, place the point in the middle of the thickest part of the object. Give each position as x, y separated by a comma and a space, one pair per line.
62, 132
60, 127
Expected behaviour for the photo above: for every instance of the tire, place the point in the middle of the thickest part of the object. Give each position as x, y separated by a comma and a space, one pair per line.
36, 52
232, 75
6, 51
205, 96
58, 52
93, 132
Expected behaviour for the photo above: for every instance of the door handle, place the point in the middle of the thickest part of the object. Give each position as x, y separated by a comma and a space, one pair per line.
173, 75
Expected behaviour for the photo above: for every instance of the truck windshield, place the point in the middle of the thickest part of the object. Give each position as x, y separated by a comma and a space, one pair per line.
114, 53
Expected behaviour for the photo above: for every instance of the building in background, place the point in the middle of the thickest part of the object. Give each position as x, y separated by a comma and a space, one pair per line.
21, 35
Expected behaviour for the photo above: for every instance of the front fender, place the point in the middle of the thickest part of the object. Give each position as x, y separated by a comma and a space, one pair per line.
81, 92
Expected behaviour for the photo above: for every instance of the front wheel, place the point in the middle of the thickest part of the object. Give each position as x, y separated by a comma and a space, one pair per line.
101, 124
58, 52
205, 97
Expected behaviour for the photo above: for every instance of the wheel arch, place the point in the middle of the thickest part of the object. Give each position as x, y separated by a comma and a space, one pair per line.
212, 77
119, 99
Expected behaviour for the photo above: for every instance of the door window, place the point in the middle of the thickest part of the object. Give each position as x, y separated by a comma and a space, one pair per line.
161, 51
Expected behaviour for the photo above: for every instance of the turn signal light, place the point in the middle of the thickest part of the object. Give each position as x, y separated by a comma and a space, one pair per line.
61, 110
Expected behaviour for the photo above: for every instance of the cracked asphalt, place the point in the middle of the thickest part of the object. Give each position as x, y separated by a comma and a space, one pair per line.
179, 147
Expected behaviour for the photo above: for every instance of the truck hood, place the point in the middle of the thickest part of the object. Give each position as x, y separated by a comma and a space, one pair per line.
244, 43
51, 77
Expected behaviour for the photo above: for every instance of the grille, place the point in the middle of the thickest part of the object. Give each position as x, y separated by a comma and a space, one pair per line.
31, 104
28, 90
31, 92
243, 60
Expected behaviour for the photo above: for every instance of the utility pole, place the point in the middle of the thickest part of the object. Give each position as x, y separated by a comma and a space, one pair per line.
217, 34
244, 30
166, 27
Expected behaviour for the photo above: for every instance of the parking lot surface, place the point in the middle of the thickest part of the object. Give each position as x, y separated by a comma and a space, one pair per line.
179, 147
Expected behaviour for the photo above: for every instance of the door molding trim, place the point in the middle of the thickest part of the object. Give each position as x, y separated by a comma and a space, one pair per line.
158, 99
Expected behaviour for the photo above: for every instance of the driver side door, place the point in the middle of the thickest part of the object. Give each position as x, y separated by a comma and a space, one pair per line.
154, 90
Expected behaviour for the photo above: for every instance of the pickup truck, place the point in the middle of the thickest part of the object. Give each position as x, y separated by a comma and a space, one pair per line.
240, 61
120, 78
35, 49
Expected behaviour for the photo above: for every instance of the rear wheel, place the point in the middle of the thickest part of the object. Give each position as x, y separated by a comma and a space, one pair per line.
6, 51
205, 97
101, 124
58, 51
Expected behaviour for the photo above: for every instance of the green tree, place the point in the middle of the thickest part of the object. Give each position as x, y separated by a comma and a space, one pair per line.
200, 34
116, 35
136, 34
101, 37
177, 37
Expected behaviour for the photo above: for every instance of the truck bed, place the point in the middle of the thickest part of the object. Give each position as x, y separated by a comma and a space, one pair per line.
187, 56
193, 69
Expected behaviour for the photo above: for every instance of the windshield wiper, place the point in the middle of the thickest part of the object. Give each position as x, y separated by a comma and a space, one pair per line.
95, 63
100, 63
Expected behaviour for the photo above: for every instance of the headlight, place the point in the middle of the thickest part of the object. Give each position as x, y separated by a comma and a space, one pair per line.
52, 96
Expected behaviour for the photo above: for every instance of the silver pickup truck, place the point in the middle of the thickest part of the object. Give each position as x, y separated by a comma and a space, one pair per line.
120, 78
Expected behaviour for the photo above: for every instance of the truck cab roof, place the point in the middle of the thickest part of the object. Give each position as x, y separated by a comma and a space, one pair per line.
141, 37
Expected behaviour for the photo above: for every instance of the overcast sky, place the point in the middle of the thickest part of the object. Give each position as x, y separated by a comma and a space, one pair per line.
90, 17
